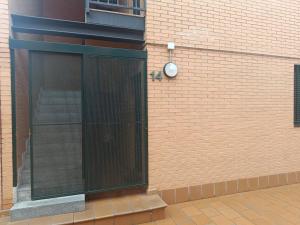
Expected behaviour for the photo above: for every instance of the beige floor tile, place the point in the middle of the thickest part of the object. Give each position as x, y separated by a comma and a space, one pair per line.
4, 219
137, 204
201, 219
183, 220
249, 214
86, 215
242, 221
121, 206
150, 223
238, 207
62, 219
191, 211
183, 204
167, 221
41, 221
261, 221
21, 222
173, 210
103, 209
229, 213
210, 212
222, 220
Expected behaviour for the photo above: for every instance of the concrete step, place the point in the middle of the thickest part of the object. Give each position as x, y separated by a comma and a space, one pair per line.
23, 196
47, 207
24, 193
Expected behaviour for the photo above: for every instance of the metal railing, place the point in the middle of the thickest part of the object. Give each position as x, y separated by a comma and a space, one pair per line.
133, 7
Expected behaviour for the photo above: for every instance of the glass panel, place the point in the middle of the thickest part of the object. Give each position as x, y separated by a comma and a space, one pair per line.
109, 1
136, 5
114, 126
56, 124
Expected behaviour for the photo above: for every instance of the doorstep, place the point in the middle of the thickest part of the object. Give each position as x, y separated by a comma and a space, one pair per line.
128, 210
47, 207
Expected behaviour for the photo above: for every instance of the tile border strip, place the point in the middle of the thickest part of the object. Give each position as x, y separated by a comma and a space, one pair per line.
203, 191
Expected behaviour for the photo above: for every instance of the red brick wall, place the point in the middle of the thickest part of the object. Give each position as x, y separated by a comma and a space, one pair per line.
229, 113
5, 101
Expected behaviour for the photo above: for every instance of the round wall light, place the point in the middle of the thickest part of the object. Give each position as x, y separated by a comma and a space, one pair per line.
170, 70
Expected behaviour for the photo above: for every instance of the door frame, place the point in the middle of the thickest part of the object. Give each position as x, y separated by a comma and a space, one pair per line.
54, 47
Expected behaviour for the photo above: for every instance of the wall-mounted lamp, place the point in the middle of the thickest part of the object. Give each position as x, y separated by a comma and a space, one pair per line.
170, 69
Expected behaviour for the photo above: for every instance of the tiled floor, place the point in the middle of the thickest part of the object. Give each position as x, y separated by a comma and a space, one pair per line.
275, 206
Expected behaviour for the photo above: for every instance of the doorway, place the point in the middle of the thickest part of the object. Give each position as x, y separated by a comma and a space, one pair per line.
88, 119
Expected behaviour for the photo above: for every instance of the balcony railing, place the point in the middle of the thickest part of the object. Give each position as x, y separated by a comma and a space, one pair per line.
132, 7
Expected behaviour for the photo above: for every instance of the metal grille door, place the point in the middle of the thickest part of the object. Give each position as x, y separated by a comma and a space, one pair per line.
56, 139
79, 119
115, 123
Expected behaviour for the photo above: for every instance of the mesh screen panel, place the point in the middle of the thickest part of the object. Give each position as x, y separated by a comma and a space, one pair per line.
114, 123
21, 84
56, 142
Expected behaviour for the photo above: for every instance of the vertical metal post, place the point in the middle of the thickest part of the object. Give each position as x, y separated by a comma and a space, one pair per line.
13, 110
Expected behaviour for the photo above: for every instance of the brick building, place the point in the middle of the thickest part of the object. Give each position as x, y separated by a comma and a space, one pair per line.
226, 123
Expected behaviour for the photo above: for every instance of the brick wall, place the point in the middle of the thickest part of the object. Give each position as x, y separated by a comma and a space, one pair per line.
5, 101
229, 113
268, 27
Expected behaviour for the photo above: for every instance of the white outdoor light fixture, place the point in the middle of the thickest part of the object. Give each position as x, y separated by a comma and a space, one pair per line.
170, 69
171, 45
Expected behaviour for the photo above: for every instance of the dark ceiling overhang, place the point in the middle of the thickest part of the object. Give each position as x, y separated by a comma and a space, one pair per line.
48, 26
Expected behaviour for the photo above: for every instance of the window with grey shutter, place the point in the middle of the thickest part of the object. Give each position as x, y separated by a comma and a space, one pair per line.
297, 95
